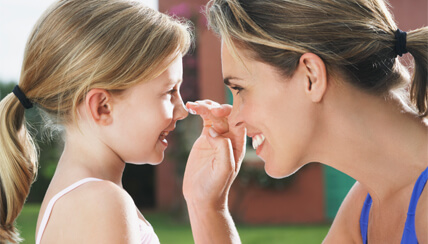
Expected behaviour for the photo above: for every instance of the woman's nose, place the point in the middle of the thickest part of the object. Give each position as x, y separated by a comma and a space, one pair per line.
235, 118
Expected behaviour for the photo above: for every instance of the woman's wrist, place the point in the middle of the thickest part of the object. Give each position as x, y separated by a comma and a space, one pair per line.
210, 206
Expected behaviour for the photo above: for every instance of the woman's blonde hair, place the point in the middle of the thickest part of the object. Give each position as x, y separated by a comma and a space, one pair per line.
355, 38
78, 45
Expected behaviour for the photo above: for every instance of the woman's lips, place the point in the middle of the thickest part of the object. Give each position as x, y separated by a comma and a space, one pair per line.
258, 140
259, 149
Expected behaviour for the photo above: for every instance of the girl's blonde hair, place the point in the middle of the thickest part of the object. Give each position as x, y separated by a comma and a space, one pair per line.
78, 45
355, 38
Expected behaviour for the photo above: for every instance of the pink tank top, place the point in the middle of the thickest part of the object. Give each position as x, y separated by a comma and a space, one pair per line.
148, 235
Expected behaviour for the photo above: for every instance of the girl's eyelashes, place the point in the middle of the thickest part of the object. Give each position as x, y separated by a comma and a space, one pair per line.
172, 91
237, 89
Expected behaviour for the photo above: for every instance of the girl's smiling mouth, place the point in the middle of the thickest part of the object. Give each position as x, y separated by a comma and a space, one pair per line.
162, 138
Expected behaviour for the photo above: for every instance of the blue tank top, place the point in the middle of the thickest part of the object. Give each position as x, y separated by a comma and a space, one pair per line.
409, 233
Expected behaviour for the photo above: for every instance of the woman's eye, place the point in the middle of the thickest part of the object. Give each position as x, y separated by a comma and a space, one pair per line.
237, 89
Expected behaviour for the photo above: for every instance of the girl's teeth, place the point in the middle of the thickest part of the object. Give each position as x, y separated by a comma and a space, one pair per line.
258, 140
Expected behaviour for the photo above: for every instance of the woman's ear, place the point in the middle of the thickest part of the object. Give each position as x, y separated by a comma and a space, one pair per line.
315, 76
99, 104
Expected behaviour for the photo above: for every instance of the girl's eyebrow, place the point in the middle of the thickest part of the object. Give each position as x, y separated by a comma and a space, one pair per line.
172, 82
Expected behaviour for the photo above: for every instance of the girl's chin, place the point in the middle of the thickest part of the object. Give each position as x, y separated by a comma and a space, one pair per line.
154, 160
157, 160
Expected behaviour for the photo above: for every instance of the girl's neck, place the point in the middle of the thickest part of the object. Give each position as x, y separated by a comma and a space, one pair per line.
86, 156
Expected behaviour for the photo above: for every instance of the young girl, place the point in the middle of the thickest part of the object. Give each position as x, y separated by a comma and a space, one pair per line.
109, 72
316, 81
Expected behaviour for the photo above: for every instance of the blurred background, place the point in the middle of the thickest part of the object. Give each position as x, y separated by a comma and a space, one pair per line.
297, 209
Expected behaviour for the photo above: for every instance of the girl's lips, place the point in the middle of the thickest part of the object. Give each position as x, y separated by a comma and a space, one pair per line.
164, 142
162, 138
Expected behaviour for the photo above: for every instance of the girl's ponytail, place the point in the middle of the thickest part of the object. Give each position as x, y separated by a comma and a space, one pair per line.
417, 45
18, 165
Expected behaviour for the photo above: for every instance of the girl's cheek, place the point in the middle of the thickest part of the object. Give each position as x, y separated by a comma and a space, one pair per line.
168, 110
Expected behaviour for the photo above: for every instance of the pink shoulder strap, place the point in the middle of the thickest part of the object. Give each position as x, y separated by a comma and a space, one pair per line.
51, 204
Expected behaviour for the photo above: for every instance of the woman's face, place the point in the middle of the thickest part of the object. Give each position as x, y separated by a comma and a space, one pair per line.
145, 114
273, 108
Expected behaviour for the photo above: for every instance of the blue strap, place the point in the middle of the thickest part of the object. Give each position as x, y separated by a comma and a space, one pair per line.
409, 233
364, 218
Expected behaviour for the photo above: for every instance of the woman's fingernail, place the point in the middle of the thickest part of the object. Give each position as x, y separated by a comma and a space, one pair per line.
191, 111
213, 133
192, 103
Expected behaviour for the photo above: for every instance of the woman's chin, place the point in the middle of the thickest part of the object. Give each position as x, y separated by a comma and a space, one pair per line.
279, 172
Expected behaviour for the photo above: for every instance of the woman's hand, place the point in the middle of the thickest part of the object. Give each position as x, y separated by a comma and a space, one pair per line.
212, 167
215, 158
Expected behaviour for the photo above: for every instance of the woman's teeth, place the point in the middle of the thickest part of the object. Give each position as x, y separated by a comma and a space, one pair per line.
258, 140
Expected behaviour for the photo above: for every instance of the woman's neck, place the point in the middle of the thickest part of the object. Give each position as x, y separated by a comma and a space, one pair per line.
372, 140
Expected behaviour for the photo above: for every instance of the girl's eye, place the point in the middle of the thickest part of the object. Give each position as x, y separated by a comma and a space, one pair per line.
172, 91
237, 89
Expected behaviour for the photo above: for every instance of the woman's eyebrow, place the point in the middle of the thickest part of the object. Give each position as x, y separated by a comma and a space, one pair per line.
227, 79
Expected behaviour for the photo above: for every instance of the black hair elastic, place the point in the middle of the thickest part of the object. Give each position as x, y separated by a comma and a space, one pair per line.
22, 98
400, 42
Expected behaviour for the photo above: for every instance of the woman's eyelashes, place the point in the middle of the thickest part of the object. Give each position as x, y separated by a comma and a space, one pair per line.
238, 89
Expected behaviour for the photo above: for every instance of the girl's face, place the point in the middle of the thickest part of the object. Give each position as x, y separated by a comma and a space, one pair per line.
274, 109
145, 114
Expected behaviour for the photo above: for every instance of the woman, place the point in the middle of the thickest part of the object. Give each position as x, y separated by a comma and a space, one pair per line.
109, 73
318, 81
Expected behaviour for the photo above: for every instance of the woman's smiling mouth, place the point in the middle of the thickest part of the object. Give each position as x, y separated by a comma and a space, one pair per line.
258, 140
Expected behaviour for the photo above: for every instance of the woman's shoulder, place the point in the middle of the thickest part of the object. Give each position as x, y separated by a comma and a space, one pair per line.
93, 208
346, 225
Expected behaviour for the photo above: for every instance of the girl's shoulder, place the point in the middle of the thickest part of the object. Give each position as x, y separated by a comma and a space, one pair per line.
99, 190
105, 195
96, 212
346, 224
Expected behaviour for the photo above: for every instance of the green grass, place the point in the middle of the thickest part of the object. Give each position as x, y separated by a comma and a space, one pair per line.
170, 231
27, 222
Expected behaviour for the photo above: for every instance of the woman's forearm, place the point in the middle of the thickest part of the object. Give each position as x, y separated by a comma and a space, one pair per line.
210, 225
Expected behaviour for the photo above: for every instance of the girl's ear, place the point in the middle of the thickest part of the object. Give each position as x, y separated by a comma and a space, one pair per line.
99, 104
316, 76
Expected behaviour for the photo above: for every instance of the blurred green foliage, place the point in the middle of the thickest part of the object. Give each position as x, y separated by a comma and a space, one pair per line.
50, 147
